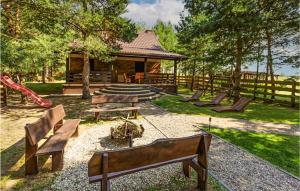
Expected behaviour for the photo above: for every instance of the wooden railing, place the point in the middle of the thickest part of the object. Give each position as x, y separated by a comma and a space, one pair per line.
103, 77
160, 78
284, 91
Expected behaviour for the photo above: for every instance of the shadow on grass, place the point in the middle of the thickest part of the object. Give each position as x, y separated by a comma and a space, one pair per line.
280, 150
255, 111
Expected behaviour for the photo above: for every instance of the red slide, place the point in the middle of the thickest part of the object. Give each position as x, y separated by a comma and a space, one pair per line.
29, 93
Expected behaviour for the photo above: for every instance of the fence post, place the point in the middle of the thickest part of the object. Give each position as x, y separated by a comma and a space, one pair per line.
212, 85
293, 98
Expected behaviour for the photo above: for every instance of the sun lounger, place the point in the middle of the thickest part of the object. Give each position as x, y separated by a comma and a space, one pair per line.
239, 106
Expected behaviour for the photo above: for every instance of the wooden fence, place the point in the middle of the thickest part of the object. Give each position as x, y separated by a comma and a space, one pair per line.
287, 91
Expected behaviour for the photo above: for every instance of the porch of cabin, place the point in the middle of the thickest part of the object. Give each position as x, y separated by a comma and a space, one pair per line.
123, 70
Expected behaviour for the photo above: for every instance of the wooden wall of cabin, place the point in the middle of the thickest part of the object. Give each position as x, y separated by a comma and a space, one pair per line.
100, 72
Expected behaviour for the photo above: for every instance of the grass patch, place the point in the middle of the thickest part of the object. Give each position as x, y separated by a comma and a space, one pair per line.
180, 183
45, 89
256, 111
280, 150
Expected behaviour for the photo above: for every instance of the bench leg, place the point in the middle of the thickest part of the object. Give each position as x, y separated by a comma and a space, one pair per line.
57, 161
31, 160
186, 169
134, 114
75, 134
97, 116
105, 185
202, 179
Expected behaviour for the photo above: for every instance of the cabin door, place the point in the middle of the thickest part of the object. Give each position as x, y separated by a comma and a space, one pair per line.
139, 67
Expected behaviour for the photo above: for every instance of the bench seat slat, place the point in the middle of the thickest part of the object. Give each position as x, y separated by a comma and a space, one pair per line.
55, 143
58, 141
69, 126
114, 109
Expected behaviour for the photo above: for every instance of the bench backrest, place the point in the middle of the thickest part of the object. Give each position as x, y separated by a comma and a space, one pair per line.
114, 99
158, 152
39, 129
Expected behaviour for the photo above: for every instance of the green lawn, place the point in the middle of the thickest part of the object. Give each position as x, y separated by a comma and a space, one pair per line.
280, 150
45, 89
256, 111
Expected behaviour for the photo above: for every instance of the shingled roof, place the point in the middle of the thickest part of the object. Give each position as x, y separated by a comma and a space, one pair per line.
147, 45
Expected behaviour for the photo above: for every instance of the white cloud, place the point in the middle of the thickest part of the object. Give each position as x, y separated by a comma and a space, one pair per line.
165, 10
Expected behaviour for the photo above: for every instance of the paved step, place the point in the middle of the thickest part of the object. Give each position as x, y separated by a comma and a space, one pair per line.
129, 85
130, 92
142, 97
125, 89
143, 92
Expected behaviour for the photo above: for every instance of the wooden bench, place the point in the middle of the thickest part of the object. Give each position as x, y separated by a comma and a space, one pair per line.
98, 101
54, 145
191, 151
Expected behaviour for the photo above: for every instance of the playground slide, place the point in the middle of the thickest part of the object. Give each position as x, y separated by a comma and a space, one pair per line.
29, 93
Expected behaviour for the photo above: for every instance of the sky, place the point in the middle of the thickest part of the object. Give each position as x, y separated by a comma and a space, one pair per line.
149, 11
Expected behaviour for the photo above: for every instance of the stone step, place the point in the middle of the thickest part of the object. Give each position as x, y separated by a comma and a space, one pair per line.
129, 85
125, 92
125, 89
150, 94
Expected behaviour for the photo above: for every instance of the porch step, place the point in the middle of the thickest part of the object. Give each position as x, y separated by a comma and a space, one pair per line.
143, 92
116, 88
128, 91
133, 86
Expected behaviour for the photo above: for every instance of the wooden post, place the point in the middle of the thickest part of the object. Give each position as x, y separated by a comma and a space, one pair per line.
175, 72
293, 93
211, 85
175, 75
68, 69
145, 71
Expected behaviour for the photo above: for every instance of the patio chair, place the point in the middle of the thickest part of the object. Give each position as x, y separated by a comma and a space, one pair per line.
139, 76
239, 106
126, 79
195, 97
216, 101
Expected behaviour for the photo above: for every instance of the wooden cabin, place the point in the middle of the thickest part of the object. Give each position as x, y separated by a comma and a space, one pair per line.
137, 62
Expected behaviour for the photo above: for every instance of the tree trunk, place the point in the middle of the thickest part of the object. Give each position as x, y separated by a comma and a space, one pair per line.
44, 74
193, 75
266, 81
270, 62
257, 71
85, 76
237, 71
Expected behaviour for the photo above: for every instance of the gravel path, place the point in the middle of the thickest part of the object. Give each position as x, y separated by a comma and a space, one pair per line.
238, 169
240, 124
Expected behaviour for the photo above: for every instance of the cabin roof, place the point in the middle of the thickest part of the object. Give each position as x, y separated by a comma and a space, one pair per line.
147, 45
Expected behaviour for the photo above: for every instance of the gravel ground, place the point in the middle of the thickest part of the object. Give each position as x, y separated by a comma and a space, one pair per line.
79, 151
238, 169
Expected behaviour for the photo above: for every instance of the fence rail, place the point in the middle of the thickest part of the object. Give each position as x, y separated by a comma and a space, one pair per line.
283, 91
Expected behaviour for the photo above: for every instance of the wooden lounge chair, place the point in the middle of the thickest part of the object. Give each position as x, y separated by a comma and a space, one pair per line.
239, 106
195, 97
216, 101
